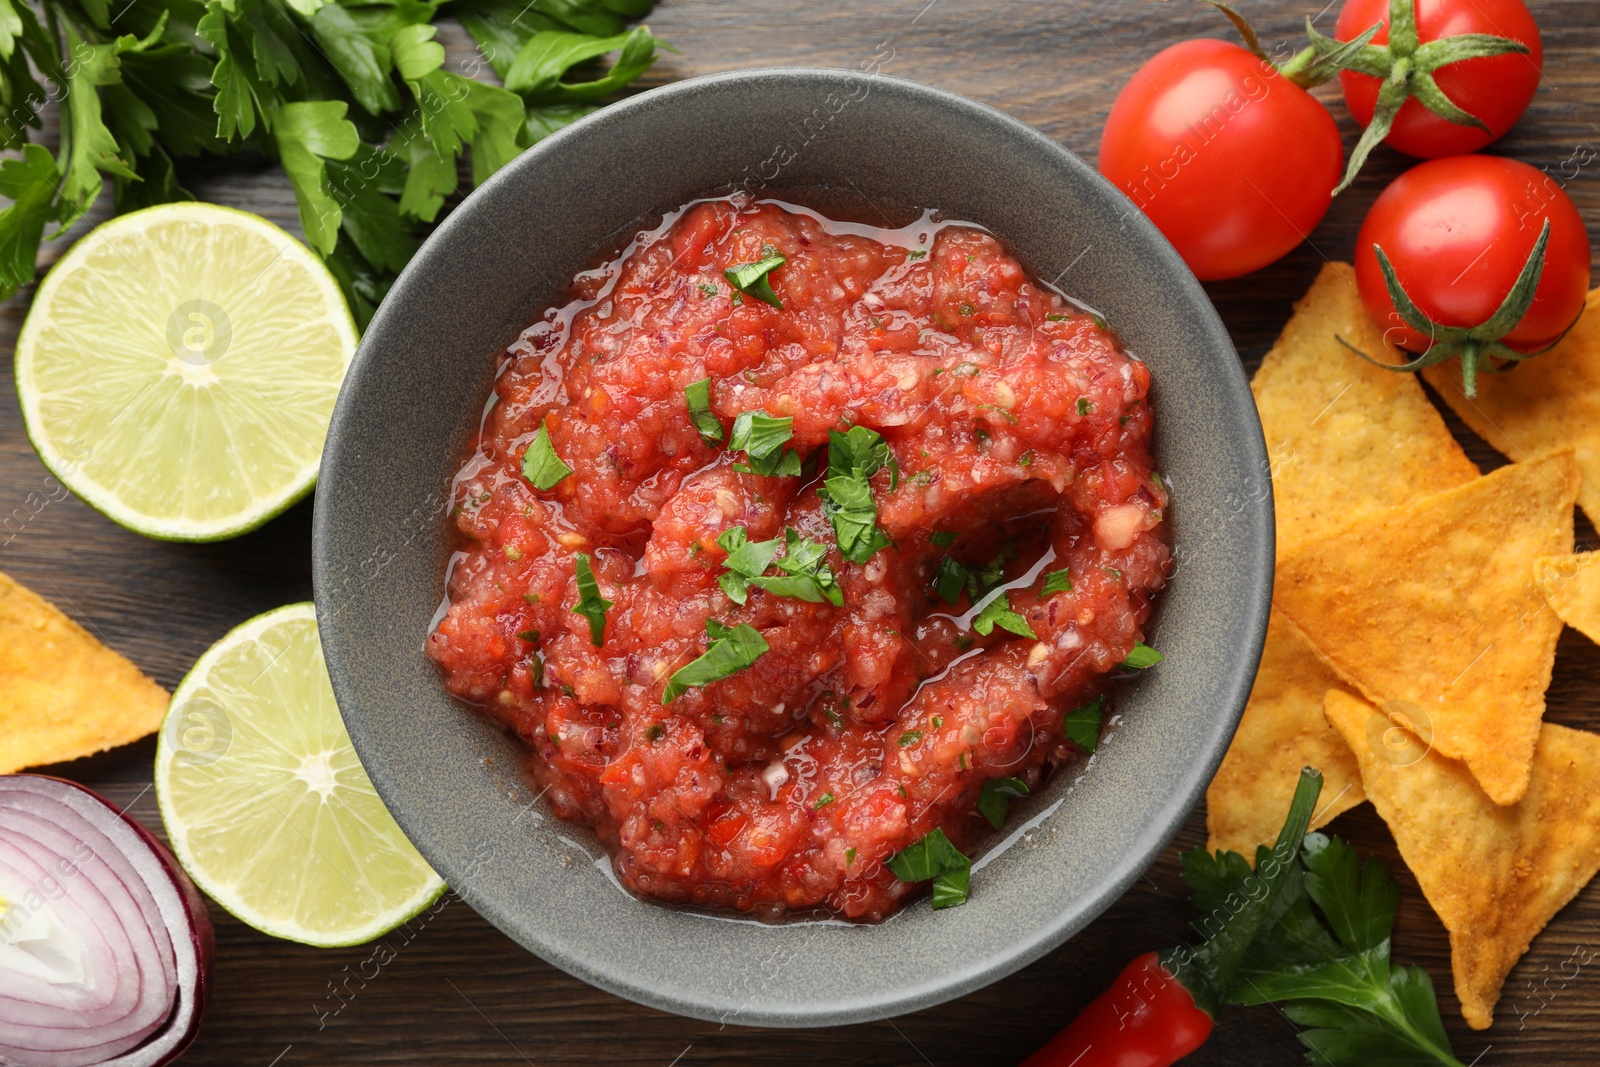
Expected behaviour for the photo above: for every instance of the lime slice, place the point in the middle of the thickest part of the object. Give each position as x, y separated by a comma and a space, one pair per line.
264, 800
178, 369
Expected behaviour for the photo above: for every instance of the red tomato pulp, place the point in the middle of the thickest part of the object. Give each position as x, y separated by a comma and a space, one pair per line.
1019, 427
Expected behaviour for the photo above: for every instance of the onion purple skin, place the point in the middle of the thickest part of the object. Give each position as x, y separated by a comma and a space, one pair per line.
202, 935
200, 928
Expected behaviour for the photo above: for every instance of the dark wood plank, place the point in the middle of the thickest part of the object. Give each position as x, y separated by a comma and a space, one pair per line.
456, 991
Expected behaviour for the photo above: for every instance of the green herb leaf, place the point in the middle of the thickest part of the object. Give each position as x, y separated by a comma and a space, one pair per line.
1085, 405
934, 857
746, 559
853, 458
950, 580
823, 801
761, 438
806, 574
591, 605
909, 738
1142, 656
540, 464
943, 538
30, 182
1082, 725
308, 133
731, 651
1057, 582
751, 278
698, 395
994, 799
997, 612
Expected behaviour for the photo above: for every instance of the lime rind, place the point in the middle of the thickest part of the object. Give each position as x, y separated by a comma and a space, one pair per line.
130, 424
265, 802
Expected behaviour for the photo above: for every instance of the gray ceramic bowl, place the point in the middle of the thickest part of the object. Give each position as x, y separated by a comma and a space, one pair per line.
413, 398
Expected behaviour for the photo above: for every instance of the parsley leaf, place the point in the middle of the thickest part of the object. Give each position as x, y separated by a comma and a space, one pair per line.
994, 799
30, 182
540, 463
1142, 656
308, 133
934, 857
997, 612
591, 605
698, 397
539, 68
746, 559
761, 438
751, 278
1057, 582
943, 538
732, 649
1082, 725
950, 579
1313, 934
853, 458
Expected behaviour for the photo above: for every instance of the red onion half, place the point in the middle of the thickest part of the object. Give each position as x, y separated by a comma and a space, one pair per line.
105, 944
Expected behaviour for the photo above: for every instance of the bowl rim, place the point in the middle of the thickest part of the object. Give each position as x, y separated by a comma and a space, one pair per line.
1004, 958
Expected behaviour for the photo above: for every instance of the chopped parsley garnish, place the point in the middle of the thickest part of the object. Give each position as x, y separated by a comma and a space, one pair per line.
997, 612
909, 738
849, 856
761, 438
1057, 318
950, 579
654, 732
1085, 405
823, 801
1142, 656
591, 605
530, 636
540, 464
994, 799
707, 290
943, 538
530, 598
1026, 459
853, 458
732, 649
934, 857
1101, 323
916, 253
1057, 582
805, 574
751, 278
1082, 725
698, 394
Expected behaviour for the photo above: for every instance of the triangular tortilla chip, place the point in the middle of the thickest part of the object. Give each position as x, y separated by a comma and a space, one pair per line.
1345, 438
1433, 602
1547, 403
62, 693
1495, 875
1283, 730
1571, 586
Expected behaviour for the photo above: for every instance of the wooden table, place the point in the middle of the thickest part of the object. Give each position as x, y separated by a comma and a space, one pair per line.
458, 991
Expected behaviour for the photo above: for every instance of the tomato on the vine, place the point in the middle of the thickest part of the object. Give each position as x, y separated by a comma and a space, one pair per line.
1488, 259
1234, 162
1494, 89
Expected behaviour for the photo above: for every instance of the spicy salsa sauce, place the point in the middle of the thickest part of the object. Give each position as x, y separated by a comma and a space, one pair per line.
1014, 458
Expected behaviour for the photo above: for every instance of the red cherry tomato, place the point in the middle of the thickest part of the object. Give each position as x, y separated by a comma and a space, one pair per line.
1496, 89
1233, 162
1458, 232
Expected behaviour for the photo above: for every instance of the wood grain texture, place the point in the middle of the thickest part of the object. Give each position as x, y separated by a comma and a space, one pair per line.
456, 991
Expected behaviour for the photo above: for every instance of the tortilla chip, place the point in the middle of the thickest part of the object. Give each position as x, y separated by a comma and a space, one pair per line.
1571, 586
1547, 403
62, 693
1495, 875
1345, 438
1433, 602
1283, 729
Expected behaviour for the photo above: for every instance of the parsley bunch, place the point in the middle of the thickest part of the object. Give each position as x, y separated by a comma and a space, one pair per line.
350, 96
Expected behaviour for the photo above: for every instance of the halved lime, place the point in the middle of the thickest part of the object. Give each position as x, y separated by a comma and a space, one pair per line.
179, 366
266, 805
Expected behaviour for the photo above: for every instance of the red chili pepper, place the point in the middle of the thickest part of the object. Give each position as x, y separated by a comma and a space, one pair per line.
1148, 1018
